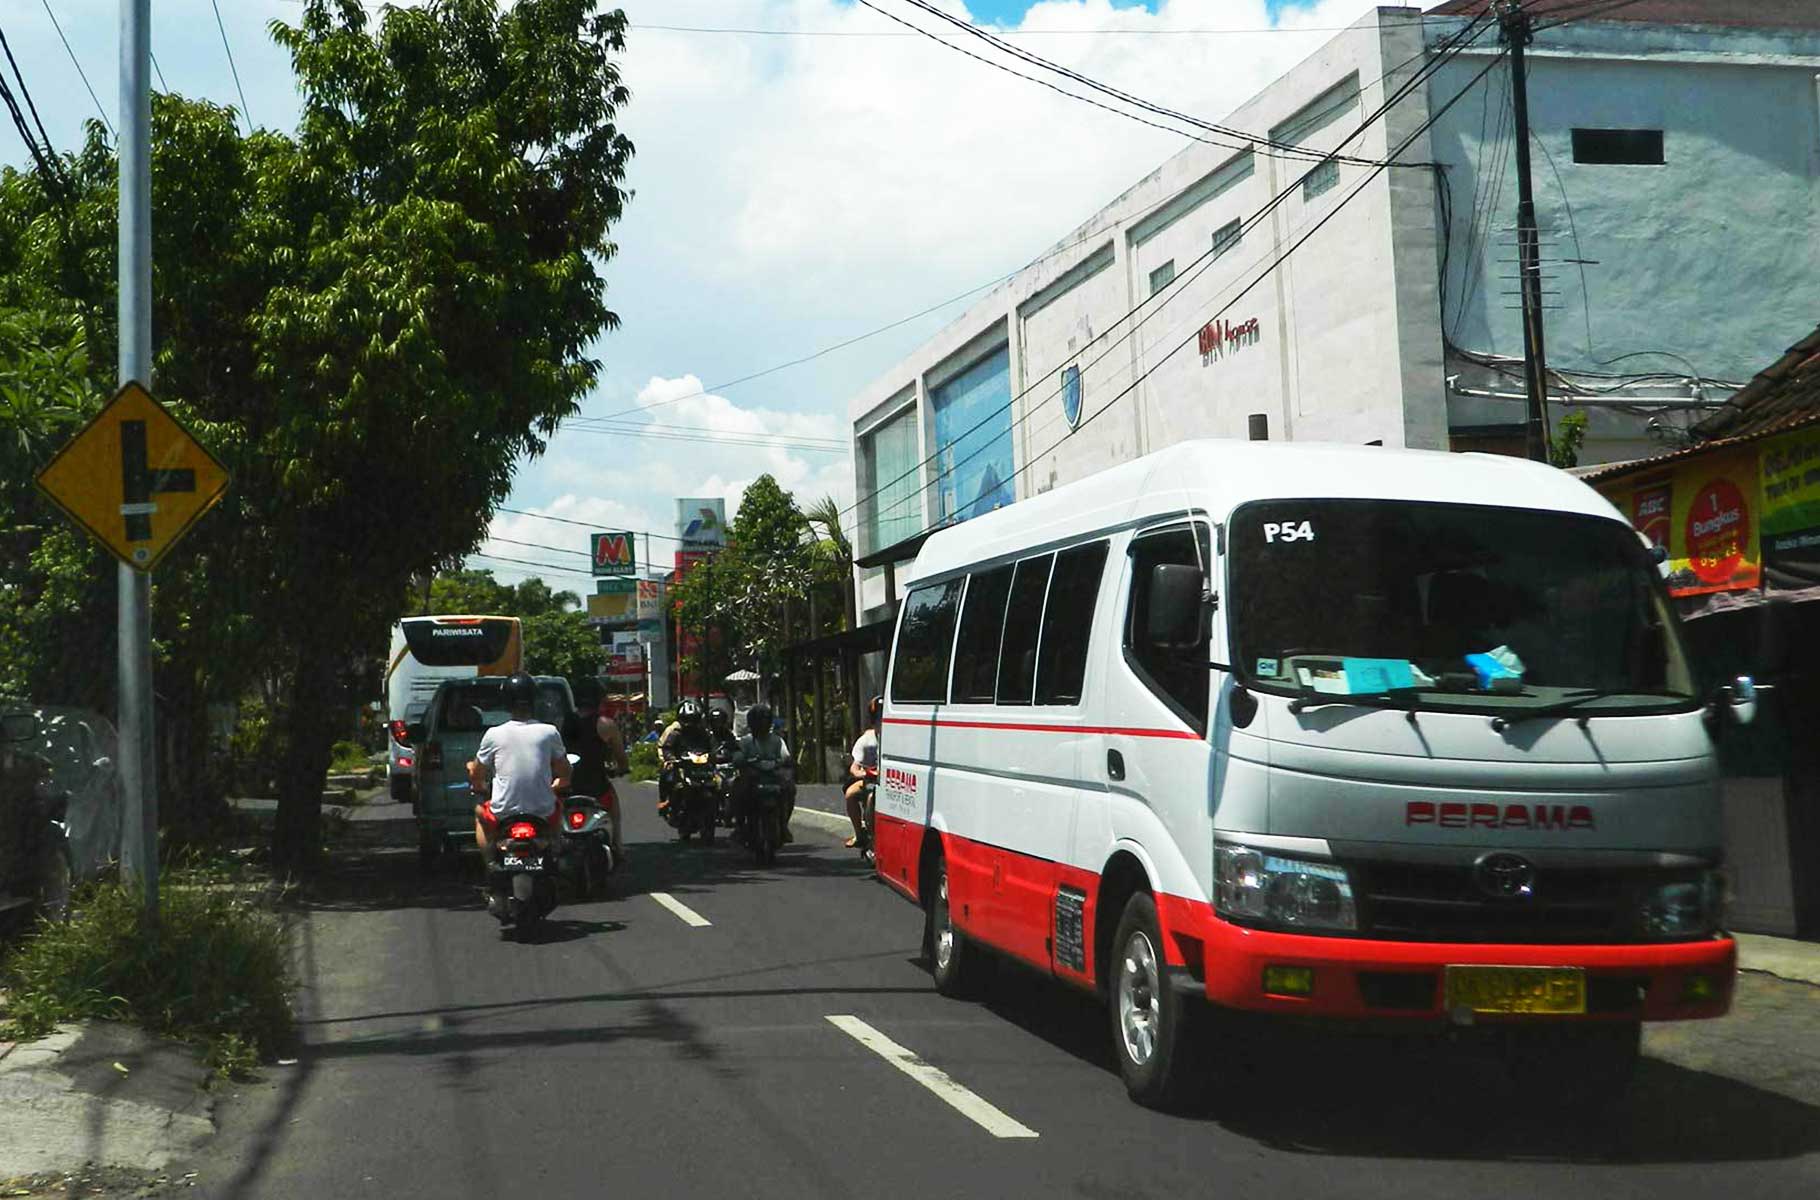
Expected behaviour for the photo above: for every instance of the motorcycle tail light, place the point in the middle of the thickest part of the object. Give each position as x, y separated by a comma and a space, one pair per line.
401, 733
577, 819
522, 829
404, 762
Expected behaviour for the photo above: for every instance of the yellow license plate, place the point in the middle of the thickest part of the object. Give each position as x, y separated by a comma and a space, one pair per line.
1516, 989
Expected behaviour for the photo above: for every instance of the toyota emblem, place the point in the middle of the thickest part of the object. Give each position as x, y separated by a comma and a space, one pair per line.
1505, 876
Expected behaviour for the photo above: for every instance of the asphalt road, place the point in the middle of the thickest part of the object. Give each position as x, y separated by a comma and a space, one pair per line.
634, 1052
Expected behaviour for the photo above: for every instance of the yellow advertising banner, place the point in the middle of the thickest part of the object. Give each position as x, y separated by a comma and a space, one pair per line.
1707, 513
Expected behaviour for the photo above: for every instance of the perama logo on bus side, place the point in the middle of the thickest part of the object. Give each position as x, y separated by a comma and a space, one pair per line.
1553, 818
900, 781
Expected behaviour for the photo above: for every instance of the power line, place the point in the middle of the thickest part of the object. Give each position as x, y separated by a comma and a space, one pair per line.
691, 433
538, 546
1237, 139
1445, 50
46, 157
596, 526
246, 113
1258, 142
1328, 216
1099, 235
891, 33
525, 562
58, 26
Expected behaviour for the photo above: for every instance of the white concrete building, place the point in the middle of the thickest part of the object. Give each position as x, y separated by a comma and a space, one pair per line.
1676, 173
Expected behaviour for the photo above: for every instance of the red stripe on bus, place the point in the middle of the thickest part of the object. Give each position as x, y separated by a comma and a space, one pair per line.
1183, 734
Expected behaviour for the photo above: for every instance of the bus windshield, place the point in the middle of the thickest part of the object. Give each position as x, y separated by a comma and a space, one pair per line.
1446, 606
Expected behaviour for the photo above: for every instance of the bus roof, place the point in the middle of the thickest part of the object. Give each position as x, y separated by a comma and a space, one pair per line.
1215, 476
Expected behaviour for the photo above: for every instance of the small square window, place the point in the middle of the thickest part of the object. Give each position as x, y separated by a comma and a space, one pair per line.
1619, 147
1227, 236
1162, 277
1321, 179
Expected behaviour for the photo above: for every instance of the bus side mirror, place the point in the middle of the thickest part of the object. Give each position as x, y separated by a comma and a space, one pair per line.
1176, 594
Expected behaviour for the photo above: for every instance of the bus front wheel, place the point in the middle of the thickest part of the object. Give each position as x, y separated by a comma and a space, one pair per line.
954, 962
1155, 1029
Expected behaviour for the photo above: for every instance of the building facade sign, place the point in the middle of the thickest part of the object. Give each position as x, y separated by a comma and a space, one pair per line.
1220, 337
1791, 507
1707, 513
615, 554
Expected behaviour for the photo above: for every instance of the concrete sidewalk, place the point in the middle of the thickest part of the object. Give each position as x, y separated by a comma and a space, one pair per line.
100, 1092
1784, 958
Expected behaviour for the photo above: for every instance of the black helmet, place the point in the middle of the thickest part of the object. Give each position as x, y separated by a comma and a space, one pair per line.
758, 720
688, 714
520, 692
720, 720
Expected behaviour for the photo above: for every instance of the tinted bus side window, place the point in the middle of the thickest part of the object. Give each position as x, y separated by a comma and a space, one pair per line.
982, 623
1061, 664
925, 642
1023, 621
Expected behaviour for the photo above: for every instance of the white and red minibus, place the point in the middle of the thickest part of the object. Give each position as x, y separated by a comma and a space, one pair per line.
1390, 736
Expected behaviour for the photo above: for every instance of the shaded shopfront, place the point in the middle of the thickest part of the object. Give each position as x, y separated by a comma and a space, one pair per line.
1738, 515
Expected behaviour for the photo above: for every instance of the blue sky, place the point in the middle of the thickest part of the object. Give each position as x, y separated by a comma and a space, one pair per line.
791, 193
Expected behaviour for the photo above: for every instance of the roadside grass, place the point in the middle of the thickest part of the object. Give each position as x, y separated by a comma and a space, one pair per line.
215, 971
641, 761
349, 758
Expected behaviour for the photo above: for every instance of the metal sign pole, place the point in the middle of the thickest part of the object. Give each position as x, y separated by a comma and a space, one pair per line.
138, 748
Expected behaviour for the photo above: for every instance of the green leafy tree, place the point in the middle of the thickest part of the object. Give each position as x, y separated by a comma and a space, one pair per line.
371, 323
1570, 436
473, 592
562, 643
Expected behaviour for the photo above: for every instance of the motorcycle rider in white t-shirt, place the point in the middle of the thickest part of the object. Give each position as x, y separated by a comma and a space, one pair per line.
519, 767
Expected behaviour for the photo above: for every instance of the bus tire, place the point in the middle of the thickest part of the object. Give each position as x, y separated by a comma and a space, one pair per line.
1154, 1028
956, 964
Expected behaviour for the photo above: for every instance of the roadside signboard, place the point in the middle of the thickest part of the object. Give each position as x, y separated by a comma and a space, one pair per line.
615, 554
134, 478
615, 605
701, 523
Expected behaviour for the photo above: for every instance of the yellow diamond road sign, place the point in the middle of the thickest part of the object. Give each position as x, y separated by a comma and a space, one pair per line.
134, 478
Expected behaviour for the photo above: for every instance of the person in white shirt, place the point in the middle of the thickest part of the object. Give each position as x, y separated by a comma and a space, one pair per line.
518, 768
864, 768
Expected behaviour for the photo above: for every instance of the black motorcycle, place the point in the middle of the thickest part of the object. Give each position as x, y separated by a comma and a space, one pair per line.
694, 795
725, 815
764, 815
587, 844
522, 880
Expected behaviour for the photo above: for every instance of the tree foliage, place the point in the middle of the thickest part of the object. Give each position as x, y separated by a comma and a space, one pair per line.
372, 323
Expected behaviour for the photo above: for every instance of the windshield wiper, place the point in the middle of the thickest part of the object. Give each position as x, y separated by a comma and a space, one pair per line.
1506, 720
1403, 698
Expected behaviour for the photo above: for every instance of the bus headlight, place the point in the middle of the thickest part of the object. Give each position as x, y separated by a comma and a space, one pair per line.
1687, 908
1256, 886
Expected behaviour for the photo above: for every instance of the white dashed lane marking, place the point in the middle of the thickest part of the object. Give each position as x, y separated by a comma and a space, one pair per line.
981, 1112
687, 915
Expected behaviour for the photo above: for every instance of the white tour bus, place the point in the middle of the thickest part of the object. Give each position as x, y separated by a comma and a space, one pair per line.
1394, 736
426, 651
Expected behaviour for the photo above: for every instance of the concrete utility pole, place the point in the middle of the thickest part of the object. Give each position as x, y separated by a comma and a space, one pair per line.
1518, 30
138, 747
